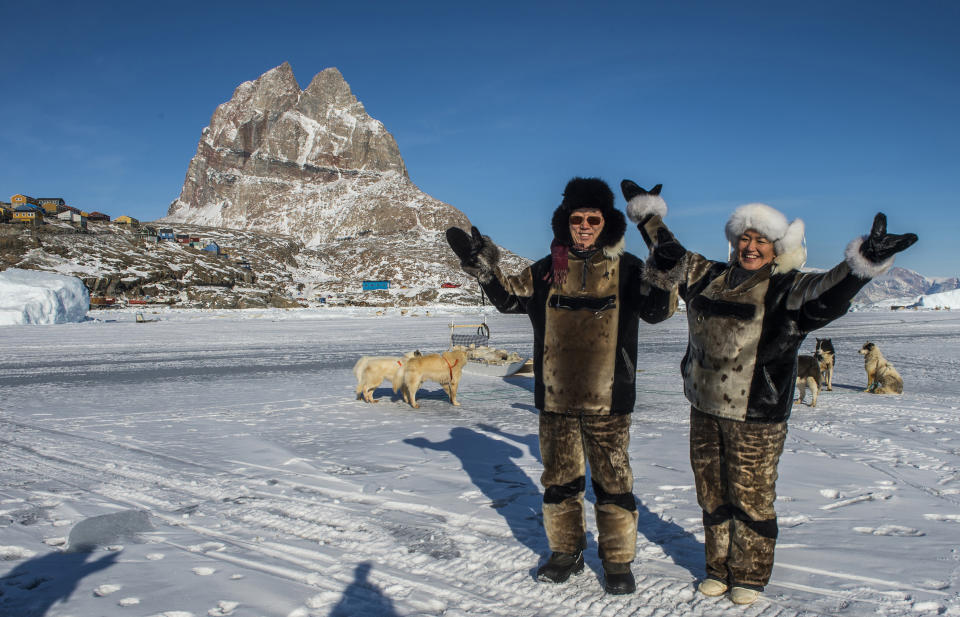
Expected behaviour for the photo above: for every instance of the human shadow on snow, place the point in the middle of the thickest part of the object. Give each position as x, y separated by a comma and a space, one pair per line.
489, 463
34, 586
362, 597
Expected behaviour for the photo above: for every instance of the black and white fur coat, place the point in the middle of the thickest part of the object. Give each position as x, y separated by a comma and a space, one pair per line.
741, 358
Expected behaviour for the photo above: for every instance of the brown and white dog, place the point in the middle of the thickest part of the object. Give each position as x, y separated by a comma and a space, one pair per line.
827, 360
809, 375
444, 368
882, 378
370, 372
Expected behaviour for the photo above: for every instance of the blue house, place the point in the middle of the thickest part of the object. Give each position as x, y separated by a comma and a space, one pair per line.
166, 234
369, 285
213, 247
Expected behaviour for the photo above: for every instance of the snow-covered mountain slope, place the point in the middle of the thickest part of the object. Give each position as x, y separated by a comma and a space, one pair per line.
255, 268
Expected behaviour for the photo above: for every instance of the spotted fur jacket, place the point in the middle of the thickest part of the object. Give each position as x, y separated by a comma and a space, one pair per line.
741, 358
584, 330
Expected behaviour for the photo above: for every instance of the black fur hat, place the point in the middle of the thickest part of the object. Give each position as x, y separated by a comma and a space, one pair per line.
589, 193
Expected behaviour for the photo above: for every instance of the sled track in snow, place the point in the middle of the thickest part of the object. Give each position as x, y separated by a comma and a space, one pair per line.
341, 515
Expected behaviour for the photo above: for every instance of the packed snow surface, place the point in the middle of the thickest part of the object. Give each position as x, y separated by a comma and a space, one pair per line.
217, 463
36, 297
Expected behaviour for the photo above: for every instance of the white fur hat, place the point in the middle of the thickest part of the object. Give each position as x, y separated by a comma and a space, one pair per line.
787, 237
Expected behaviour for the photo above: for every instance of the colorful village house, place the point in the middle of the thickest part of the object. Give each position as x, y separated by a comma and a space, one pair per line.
6, 212
74, 218
22, 200
126, 220
98, 216
212, 247
166, 233
52, 205
371, 285
149, 234
29, 214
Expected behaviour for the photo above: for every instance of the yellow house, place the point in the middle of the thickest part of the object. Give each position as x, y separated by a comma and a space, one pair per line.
29, 214
22, 200
5, 213
126, 220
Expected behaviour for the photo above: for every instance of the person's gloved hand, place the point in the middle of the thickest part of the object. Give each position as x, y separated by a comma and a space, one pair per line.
668, 252
881, 246
642, 204
477, 253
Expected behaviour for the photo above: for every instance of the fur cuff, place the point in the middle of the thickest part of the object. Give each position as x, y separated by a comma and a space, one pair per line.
665, 280
489, 255
644, 205
860, 265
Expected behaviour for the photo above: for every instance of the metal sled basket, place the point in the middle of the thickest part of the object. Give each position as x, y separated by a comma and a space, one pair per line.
476, 337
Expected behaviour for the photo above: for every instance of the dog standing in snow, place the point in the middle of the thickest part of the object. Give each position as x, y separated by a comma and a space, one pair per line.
370, 372
828, 359
809, 375
444, 368
882, 378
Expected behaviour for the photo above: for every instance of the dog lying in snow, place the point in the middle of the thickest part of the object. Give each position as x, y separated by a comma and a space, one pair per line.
882, 378
809, 375
370, 372
444, 368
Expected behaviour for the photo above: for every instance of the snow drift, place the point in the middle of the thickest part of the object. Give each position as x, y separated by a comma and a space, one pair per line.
35, 297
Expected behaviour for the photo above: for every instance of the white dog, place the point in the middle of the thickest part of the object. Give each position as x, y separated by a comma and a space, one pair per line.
370, 372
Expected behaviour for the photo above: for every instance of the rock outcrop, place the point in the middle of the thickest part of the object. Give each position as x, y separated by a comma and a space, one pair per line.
306, 163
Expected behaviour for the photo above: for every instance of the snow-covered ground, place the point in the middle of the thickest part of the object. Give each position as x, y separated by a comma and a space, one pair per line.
216, 463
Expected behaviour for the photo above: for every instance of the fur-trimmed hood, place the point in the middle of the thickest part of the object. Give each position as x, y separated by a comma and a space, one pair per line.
789, 244
590, 193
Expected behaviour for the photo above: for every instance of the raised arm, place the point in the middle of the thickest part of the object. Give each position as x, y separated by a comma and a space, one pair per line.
480, 257
825, 296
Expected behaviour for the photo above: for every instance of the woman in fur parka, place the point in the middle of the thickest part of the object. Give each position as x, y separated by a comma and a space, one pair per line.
585, 301
747, 318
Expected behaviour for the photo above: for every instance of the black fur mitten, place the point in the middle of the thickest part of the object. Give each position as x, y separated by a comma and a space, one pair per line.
478, 254
880, 246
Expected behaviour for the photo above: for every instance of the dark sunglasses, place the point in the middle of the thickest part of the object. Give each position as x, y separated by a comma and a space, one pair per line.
593, 221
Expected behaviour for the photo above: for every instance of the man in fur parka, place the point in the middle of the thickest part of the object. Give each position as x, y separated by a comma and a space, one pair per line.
747, 318
585, 301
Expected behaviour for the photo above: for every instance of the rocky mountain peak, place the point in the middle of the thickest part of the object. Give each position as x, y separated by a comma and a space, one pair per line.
308, 163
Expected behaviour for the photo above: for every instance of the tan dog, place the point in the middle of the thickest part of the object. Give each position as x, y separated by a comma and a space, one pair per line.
828, 358
882, 378
445, 369
809, 374
370, 372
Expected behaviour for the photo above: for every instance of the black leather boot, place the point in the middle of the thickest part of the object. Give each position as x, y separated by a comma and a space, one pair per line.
560, 566
618, 578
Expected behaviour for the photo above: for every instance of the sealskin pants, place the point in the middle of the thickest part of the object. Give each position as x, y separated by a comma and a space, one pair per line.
735, 470
567, 443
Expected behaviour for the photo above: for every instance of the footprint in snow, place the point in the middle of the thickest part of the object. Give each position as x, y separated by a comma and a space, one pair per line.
223, 608
890, 530
14, 553
951, 518
204, 571
106, 590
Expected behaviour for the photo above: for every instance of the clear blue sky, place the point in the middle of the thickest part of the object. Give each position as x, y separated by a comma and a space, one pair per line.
828, 111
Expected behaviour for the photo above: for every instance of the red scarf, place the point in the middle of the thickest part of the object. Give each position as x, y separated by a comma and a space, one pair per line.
558, 266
